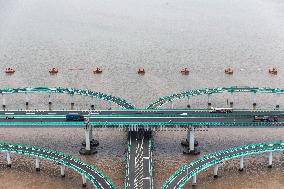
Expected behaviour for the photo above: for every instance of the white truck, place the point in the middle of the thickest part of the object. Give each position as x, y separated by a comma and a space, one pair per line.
221, 110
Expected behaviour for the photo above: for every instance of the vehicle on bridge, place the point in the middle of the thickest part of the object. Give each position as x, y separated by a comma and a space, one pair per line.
265, 119
75, 117
221, 110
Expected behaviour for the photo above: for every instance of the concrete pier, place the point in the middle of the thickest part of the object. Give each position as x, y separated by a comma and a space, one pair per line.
3, 101
8, 156
89, 149
215, 171
84, 181
254, 99
188, 102
49, 99
278, 101
241, 163
270, 159
62, 170
209, 100
72, 102
232, 100
27, 99
37, 164
191, 142
194, 180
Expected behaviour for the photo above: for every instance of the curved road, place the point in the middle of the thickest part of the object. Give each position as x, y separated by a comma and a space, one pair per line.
90, 172
182, 175
189, 93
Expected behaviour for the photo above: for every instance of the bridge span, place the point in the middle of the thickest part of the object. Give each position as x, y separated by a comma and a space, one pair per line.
190, 171
99, 180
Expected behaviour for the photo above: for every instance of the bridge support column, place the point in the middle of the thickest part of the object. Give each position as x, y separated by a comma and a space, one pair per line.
194, 180
27, 99
188, 102
62, 170
89, 142
209, 100
72, 101
8, 156
37, 164
216, 170
191, 142
49, 99
270, 159
241, 163
254, 99
109, 105
232, 100
172, 104
92, 105
84, 183
3, 101
278, 101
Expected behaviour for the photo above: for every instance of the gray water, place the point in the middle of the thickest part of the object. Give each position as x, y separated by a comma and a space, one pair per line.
161, 36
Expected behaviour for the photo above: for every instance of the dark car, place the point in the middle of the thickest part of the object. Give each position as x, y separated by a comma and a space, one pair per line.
265, 118
9, 117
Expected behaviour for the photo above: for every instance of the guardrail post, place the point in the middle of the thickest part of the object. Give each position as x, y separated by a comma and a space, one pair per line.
270, 159
216, 170
194, 180
9, 162
62, 170
241, 163
84, 184
37, 164
3, 101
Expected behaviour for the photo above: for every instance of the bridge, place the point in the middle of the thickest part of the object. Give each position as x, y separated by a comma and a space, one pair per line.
209, 91
141, 122
185, 173
99, 180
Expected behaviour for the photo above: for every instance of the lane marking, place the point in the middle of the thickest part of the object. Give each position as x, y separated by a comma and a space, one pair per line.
9, 113
51, 113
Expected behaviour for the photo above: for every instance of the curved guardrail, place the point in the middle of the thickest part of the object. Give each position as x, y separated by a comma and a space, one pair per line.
71, 91
183, 174
189, 93
99, 180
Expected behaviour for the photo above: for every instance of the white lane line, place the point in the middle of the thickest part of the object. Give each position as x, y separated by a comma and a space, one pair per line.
51, 113
30, 113
9, 113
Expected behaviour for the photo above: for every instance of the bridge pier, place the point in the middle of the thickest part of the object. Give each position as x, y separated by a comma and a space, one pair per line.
191, 142
49, 99
3, 101
215, 171
241, 163
27, 99
194, 180
62, 170
8, 156
84, 181
109, 105
254, 99
72, 101
278, 101
188, 102
89, 143
270, 159
209, 101
232, 100
37, 164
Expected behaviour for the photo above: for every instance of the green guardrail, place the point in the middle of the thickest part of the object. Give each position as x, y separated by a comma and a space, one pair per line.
36, 151
250, 149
